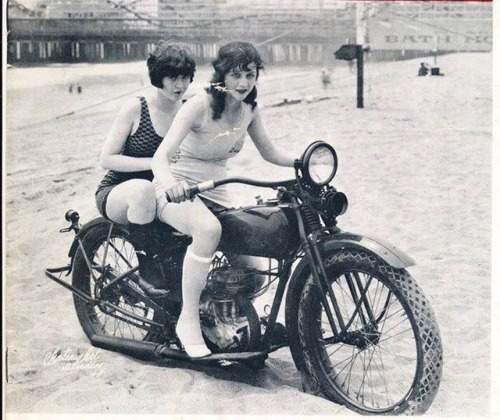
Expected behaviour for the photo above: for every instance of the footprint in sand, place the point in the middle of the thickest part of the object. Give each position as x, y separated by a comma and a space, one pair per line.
33, 196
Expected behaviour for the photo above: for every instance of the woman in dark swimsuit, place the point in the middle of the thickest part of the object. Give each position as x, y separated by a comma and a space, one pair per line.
125, 194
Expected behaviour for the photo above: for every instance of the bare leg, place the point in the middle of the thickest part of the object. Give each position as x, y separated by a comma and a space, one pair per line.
132, 201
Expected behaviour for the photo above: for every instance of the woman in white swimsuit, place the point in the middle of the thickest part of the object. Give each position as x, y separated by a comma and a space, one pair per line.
207, 131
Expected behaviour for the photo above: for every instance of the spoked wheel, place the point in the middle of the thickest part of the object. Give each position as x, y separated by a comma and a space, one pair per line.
385, 355
120, 310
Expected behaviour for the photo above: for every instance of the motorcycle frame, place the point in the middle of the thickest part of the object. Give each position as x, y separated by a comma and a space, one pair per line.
308, 247
283, 274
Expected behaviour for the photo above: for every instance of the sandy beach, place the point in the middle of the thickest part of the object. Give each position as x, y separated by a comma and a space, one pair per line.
415, 163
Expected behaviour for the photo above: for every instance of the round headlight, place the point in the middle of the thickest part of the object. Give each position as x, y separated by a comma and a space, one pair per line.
319, 163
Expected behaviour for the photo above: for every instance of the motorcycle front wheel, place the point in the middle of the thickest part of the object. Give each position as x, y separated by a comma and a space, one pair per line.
385, 356
120, 310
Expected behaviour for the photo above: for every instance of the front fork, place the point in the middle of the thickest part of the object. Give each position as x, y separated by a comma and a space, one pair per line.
311, 248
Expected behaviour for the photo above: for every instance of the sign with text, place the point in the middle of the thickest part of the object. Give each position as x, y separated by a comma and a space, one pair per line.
439, 35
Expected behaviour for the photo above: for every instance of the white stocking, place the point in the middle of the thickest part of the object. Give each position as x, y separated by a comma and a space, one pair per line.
194, 277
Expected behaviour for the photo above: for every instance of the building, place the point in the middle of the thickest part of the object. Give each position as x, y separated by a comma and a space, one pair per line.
80, 9
286, 31
430, 27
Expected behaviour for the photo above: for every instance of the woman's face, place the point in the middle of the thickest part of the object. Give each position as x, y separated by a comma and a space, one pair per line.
175, 87
239, 82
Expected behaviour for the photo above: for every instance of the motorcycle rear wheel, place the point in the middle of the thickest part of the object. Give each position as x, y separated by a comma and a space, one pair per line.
117, 255
390, 360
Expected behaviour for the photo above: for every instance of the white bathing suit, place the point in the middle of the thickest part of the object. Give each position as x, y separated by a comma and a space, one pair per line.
204, 152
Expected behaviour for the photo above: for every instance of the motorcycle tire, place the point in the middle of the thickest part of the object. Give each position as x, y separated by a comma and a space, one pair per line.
118, 255
389, 360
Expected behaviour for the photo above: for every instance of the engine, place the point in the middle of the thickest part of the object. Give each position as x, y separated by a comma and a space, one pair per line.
228, 319
226, 282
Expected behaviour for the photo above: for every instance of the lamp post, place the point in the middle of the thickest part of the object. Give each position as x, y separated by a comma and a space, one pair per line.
360, 78
356, 51
361, 41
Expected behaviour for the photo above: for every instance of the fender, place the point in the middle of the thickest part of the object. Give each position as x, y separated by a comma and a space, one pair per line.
381, 248
83, 231
343, 240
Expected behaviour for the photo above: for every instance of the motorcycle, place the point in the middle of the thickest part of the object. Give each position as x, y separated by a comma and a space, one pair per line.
359, 328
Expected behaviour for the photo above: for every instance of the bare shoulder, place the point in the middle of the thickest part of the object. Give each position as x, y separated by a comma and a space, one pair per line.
194, 107
255, 113
131, 108
197, 101
256, 110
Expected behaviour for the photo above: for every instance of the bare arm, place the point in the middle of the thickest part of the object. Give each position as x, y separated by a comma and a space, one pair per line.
264, 145
111, 153
186, 119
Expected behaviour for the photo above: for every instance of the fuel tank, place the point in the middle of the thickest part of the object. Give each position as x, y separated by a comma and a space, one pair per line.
262, 231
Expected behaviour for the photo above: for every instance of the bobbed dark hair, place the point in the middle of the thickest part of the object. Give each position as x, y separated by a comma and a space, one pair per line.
169, 60
233, 55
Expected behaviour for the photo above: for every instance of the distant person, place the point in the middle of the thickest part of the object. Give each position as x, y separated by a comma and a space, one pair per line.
423, 70
71, 88
79, 89
326, 78
208, 130
126, 194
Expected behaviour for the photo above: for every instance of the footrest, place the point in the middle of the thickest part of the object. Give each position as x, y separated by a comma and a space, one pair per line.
230, 357
49, 272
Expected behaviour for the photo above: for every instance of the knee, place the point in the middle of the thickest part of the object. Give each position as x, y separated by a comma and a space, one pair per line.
209, 230
142, 198
143, 193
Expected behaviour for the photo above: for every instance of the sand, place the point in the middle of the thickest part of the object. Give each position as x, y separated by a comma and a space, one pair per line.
415, 164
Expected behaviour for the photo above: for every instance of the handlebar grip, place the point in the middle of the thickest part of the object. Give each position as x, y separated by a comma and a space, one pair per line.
196, 189
193, 191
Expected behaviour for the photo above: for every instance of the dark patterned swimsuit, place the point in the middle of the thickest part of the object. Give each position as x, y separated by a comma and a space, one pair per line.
143, 143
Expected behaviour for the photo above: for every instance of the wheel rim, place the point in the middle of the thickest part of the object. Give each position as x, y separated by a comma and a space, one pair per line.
110, 260
374, 365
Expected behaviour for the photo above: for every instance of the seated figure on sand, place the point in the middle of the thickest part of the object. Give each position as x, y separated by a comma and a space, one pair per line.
423, 70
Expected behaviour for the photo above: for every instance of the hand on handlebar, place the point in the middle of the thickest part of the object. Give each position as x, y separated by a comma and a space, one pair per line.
178, 192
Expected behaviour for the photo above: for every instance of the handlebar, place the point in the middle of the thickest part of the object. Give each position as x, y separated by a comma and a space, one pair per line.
210, 185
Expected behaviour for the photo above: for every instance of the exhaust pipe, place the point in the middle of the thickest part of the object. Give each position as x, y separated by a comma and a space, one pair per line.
146, 350
143, 350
